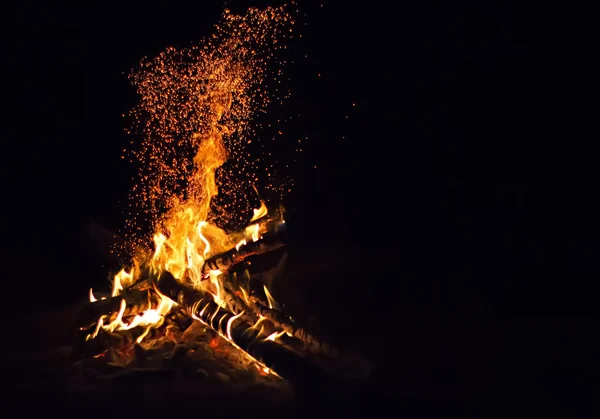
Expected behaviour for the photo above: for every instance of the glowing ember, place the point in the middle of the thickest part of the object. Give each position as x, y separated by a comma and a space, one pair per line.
195, 112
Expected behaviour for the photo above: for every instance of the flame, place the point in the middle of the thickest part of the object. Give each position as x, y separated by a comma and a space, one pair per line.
270, 300
194, 114
260, 212
241, 243
152, 318
264, 371
230, 322
245, 295
275, 335
206, 243
219, 83
215, 281
261, 319
122, 279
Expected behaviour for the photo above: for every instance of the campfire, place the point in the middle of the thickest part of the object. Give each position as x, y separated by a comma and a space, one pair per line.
198, 294
229, 306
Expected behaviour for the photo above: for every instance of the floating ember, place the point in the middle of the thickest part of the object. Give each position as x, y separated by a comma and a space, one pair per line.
198, 294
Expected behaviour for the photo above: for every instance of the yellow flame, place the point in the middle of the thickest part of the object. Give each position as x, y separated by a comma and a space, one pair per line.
230, 322
218, 81
241, 243
275, 335
245, 294
92, 298
202, 100
144, 334
99, 325
203, 310
118, 320
261, 319
212, 318
151, 318
260, 212
253, 231
206, 243
270, 300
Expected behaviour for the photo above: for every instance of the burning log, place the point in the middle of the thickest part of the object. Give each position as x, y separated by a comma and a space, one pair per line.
251, 315
254, 291
202, 307
250, 291
246, 285
136, 302
254, 311
254, 287
222, 262
285, 322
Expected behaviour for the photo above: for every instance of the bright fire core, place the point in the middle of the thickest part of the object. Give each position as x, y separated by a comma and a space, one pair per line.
195, 113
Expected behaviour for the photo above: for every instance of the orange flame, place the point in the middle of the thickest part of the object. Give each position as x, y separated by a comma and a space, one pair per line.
270, 300
202, 100
260, 212
151, 318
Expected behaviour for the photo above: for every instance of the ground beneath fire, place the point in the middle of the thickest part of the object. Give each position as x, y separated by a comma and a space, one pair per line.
432, 356
174, 371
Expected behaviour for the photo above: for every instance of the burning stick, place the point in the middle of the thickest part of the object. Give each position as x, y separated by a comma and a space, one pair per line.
245, 285
238, 305
136, 302
273, 355
253, 289
284, 322
254, 311
268, 242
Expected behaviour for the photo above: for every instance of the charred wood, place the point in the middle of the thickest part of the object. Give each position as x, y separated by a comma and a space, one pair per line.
136, 302
269, 241
284, 322
242, 283
295, 338
249, 290
200, 306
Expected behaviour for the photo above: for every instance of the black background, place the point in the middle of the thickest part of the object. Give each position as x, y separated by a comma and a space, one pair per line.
452, 164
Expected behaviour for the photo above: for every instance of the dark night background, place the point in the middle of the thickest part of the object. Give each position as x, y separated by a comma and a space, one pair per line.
440, 191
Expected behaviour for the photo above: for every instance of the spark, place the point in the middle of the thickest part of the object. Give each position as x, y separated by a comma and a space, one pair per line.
195, 112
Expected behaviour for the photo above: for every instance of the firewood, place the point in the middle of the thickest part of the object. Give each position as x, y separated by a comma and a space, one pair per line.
253, 310
136, 302
239, 280
223, 261
268, 277
250, 286
202, 307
